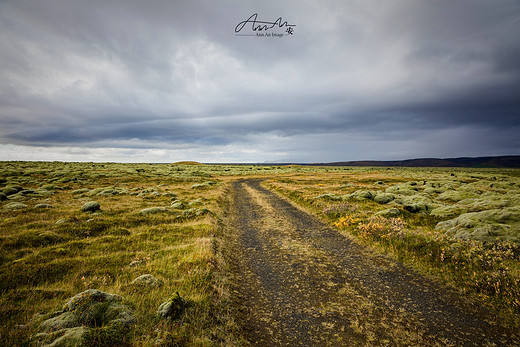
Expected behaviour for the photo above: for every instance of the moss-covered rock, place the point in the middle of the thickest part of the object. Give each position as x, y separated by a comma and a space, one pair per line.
416, 203
68, 220
27, 192
80, 191
91, 206
362, 195
147, 281
153, 210
488, 226
40, 192
194, 212
108, 191
148, 192
403, 189
206, 184
71, 337
329, 196
83, 316
458, 195
198, 202
42, 206
12, 206
89, 308
448, 211
482, 204
433, 191
384, 198
51, 186
10, 190
178, 205
173, 308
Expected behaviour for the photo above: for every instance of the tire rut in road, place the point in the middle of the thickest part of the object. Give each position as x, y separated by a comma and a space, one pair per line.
299, 282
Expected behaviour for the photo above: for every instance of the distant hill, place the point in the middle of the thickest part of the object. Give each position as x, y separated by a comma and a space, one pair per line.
188, 163
509, 161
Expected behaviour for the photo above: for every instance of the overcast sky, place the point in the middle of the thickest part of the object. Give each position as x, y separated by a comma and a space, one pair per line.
164, 81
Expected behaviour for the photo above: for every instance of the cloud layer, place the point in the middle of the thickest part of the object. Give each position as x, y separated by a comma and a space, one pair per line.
169, 80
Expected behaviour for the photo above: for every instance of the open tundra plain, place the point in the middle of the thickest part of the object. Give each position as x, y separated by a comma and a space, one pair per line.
184, 254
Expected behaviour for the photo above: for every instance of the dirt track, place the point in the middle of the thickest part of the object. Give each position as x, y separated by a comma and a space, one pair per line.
297, 281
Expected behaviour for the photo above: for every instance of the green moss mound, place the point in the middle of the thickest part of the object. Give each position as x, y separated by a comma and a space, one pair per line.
486, 226
84, 318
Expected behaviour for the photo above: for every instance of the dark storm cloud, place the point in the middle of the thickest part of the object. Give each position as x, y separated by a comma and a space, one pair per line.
386, 80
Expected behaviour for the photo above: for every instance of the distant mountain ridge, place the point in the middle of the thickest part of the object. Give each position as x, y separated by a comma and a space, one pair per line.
507, 161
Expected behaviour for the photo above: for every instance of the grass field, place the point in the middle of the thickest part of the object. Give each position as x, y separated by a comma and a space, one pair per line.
461, 226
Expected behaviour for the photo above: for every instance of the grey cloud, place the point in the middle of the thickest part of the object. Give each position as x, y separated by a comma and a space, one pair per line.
140, 74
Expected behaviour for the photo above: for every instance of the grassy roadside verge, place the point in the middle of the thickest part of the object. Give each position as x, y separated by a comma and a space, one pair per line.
484, 269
